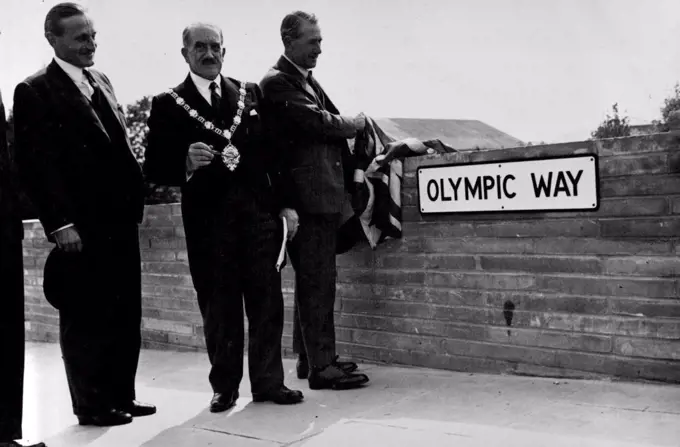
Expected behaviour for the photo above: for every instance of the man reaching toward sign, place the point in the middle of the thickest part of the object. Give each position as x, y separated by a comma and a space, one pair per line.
311, 136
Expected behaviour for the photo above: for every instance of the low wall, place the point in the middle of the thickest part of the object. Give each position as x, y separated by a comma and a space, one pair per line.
594, 293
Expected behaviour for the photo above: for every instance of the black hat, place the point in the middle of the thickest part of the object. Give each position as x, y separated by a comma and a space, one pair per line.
65, 277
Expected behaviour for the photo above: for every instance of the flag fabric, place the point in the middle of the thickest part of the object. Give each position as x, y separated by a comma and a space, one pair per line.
375, 194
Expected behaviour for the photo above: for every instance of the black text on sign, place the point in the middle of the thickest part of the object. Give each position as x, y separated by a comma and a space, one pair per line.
549, 184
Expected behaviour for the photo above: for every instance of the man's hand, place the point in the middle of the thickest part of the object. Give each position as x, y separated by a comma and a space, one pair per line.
68, 240
360, 122
200, 154
293, 221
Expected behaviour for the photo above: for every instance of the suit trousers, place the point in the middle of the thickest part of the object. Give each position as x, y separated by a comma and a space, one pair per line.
312, 254
233, 245
100, 325
11, 336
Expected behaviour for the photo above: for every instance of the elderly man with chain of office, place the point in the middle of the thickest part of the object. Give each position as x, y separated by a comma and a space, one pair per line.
206, 136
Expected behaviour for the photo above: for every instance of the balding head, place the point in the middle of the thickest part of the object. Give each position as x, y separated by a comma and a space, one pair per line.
187, 34
203, 50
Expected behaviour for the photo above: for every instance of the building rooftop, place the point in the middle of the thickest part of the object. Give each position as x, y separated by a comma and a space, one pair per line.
459, 134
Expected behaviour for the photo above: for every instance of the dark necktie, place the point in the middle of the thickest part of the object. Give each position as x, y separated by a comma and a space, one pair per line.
216, 103
102, 108
106, 112
98, 100
316, 88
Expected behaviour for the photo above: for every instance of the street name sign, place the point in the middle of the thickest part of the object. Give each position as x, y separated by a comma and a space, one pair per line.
568, 183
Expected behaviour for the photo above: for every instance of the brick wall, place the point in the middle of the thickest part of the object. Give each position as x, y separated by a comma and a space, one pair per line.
594, 293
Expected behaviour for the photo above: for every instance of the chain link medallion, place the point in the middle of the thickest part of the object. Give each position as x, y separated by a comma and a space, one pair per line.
230, 154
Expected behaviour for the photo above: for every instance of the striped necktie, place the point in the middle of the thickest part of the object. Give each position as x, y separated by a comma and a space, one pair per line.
216, 102
316, 88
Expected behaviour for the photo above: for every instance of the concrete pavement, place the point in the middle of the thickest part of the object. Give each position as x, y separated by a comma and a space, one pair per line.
399, 407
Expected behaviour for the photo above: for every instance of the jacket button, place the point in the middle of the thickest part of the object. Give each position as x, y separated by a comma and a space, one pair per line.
337, 163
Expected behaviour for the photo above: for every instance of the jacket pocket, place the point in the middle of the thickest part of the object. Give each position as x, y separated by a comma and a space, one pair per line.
252, 122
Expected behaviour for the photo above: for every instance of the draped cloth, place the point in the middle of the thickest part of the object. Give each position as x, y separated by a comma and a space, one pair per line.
375, 194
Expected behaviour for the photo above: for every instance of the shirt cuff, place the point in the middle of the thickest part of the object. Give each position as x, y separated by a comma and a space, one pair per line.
62, 228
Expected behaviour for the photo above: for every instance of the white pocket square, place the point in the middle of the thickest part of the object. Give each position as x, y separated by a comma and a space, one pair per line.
253, 112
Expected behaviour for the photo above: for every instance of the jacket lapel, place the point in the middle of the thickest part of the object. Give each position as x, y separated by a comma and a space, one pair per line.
230, 93
110, 101
300, 82
229, 103
308, 88
330, 106
230, 97
327, 103
71, 96
190, 94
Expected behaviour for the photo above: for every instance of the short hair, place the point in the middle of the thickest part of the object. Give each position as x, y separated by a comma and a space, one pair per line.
59, 12
186, 34
291, 24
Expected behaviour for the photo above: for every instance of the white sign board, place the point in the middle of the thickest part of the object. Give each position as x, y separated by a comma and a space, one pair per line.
549, 184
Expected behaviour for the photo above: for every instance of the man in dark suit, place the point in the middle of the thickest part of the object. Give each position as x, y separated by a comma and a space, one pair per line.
206, 136
12, 343
75, 160
312, 138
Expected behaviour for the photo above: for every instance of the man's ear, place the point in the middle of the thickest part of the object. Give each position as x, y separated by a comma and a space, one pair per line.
51, 38
224, 51
185, 54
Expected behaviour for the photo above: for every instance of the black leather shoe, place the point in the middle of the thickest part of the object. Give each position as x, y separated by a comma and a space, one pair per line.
223, 401
281, 396
334, 378
106, 419
348, 367
21, 443
302, 366
138, 409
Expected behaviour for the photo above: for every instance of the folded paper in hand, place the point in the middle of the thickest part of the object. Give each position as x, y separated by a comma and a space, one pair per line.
282, 252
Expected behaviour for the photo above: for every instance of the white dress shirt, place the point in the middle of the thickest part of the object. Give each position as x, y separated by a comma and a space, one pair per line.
304, 71
305, 74
203, 85
77, 76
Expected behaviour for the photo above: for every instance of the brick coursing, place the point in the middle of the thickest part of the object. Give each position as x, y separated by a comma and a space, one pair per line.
595, 294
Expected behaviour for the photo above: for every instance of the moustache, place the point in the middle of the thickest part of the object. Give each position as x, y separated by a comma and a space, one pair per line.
209, 61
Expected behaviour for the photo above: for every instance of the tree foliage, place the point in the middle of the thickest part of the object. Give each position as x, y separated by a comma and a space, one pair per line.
670, 112
137, 115
613, 126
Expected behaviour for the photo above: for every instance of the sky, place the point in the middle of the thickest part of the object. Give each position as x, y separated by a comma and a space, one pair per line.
539, 70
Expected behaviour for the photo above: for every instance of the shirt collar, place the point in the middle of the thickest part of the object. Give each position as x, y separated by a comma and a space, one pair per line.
204, 84
303, 71
73, 72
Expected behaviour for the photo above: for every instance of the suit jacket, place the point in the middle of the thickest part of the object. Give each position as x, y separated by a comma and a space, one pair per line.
10, 214
311, 137
75, 170
172, 130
